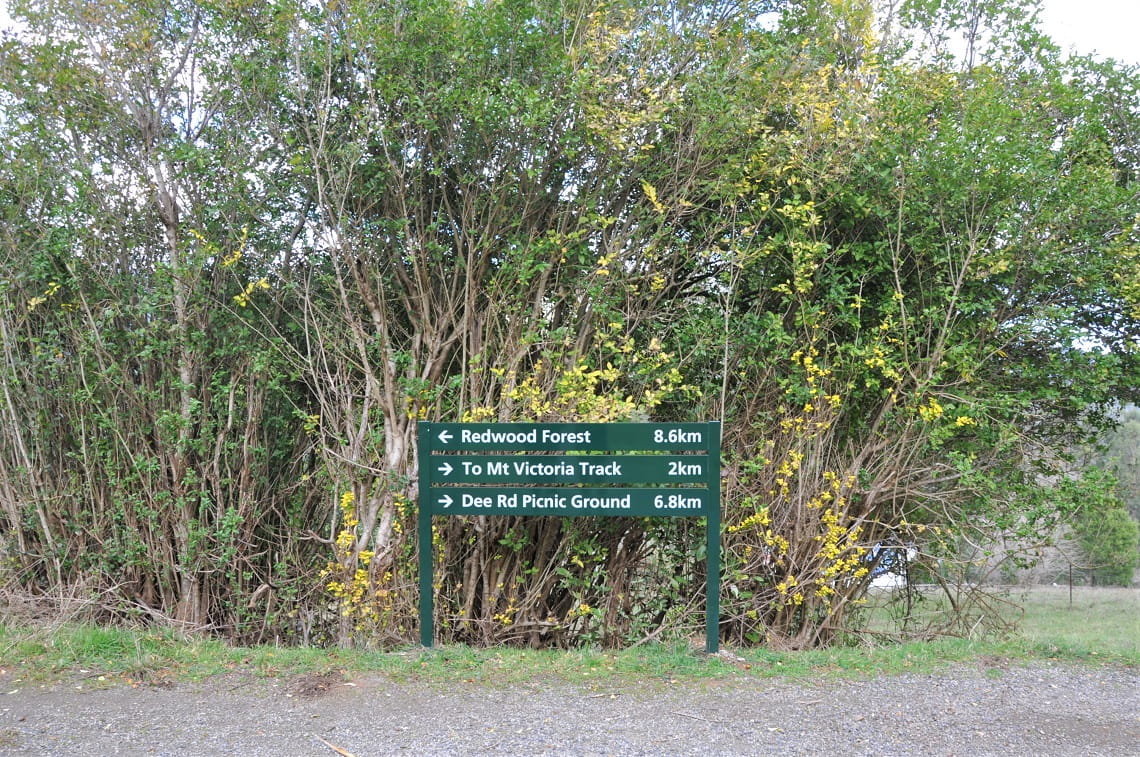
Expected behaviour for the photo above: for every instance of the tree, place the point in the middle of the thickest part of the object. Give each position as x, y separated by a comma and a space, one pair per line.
914, 349
146, 430
1119, 453
491, 240
1108, 536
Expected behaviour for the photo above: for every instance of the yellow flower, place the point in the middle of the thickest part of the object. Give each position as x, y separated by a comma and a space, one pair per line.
931, 411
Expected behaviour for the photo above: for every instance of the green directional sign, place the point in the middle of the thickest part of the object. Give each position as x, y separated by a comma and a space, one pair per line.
569, 501
551, 437
570, 469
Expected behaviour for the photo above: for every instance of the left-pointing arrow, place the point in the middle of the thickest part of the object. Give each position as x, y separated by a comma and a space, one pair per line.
445, 469
445, 436
445, 500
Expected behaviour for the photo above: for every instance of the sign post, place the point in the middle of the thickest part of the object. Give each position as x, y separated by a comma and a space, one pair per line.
571, 469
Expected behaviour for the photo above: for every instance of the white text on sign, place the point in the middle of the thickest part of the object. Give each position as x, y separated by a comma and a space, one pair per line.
530, 436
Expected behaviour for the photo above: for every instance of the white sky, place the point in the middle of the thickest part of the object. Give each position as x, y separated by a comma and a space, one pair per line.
1109, 28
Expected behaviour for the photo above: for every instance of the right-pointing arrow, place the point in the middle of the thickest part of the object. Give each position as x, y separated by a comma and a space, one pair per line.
445, 469
445, 500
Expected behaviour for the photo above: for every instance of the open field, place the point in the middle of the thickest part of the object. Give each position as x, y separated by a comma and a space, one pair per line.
1083, 621
1095, 621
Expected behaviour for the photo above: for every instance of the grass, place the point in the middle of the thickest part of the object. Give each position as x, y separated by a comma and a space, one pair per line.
1097, 622
1101, 626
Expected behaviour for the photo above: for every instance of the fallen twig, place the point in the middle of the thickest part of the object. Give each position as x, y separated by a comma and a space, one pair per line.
335, 748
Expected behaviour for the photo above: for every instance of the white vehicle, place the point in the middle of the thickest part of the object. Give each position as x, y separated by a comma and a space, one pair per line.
890, 565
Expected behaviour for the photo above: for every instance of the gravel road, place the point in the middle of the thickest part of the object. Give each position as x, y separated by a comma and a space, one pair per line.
978, 709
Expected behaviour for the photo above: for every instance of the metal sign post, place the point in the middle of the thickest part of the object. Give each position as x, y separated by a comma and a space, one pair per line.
487, 469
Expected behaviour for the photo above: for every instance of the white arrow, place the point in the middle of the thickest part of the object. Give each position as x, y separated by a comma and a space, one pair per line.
445, 436
445, 469
446, 500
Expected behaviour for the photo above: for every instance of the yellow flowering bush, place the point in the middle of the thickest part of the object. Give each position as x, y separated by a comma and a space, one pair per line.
365, 602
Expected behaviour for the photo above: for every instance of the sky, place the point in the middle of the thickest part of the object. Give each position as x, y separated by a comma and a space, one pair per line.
1109, 28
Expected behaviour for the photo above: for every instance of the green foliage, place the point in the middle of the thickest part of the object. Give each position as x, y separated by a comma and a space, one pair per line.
1119, 453
152, 431
1107, 534
247, 249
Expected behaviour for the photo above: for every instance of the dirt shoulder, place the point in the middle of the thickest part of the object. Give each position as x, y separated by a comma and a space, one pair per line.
1056, 709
